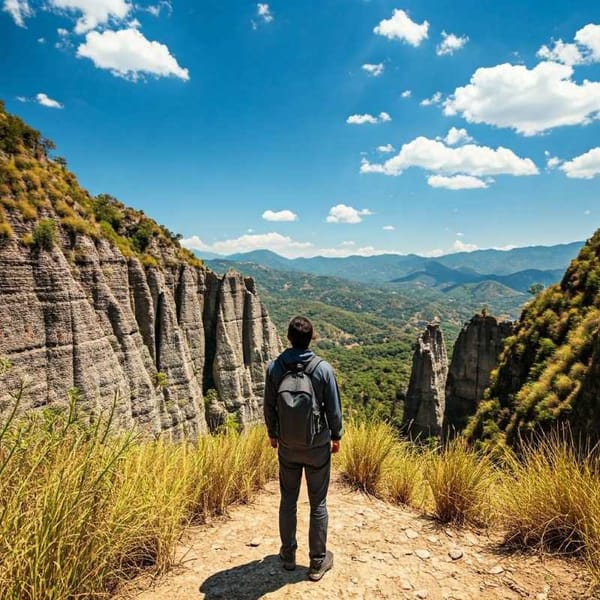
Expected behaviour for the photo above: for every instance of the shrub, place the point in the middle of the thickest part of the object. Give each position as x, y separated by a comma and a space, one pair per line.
77, 225
461, 481
6, 231
366, 447
402, 478
44, 234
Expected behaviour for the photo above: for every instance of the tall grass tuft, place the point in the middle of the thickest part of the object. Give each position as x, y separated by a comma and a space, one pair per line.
365, 449
461, 481
550, 501
81, 508
402, 474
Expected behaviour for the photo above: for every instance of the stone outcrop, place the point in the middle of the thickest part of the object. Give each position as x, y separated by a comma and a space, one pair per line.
425, 397
83, 315
474, 357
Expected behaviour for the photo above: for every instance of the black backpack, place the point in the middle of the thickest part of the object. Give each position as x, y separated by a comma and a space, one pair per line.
298, 408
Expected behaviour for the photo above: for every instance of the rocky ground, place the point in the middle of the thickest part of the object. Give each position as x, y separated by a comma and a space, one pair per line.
381, 551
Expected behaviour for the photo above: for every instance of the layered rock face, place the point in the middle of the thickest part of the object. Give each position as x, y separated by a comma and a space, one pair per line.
425, 397
156, 339
474, 357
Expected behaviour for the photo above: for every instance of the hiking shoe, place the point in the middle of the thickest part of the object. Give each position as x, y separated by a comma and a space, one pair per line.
288, 561
318, 568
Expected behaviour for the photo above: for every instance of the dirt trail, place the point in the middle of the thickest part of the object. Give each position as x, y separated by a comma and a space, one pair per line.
381, 551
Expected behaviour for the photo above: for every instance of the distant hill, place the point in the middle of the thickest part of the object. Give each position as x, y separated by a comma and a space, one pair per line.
387, 267
439, 275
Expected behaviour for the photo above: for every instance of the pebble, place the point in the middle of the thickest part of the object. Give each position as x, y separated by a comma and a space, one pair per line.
496, 570
354, 580
411, 534
254, 543
406, 585
434, 539
423, 554
455, 553
421, 594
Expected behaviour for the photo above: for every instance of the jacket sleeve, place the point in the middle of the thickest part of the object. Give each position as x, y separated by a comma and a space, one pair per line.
270, 404
333, 404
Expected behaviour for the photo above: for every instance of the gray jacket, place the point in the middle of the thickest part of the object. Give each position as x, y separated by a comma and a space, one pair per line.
324, 384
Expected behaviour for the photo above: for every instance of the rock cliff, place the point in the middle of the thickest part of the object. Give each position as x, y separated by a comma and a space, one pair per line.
474, 356
96, 296
425, 397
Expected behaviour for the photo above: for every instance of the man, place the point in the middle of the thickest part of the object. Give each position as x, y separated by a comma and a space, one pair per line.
305, 440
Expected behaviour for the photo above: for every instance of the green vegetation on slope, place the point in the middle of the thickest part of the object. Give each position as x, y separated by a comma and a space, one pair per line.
40, 200
549, 369
367, 332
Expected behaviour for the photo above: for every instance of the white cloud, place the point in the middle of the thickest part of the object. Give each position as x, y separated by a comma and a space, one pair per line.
388, 228
450, 43
456, 182
22, 99
456, 136
375, 70
386, 148
383, 117
94, 12
127, 53
284, 245
400, 26
263, 11
553, 162
341, 213
41, 40
562, 52
435, 253
19, 10
406, 94
470, 159
348, 243
435, 99
584, 166
585, 48
589, 36
281, 215
156, 9
460, 246
459, 234
49, 102
527, 100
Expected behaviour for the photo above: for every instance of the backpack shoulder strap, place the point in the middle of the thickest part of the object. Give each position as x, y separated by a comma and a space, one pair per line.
312, 364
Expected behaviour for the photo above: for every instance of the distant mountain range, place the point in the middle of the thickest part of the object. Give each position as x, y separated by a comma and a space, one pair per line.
517, 268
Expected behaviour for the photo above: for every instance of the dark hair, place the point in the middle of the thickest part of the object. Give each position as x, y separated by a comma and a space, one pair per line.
300, 332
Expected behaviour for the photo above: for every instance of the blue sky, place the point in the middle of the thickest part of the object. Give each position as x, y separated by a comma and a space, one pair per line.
223, 119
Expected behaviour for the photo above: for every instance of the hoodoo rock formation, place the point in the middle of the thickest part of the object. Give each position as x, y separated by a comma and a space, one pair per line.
97, 297
425, 397
474, 357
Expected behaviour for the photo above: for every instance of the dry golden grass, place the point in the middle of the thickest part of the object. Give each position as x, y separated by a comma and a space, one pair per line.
82, 509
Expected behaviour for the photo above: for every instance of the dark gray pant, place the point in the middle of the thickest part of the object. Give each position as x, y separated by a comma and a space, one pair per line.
316, 463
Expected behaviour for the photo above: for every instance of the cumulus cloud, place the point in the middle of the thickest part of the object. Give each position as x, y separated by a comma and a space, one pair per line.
375, 70
94, 12
276, 242
437, 157
383, 117
584, 166
44, 100
562, 52
584, 49
460, 246
388, 228
435, 99
19, 10
127, 53
386, 148
401, 27
457, 136
264, 12
406, 94
341, 213
552, 161
281, 215
456, 182
528, 100
450, 43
